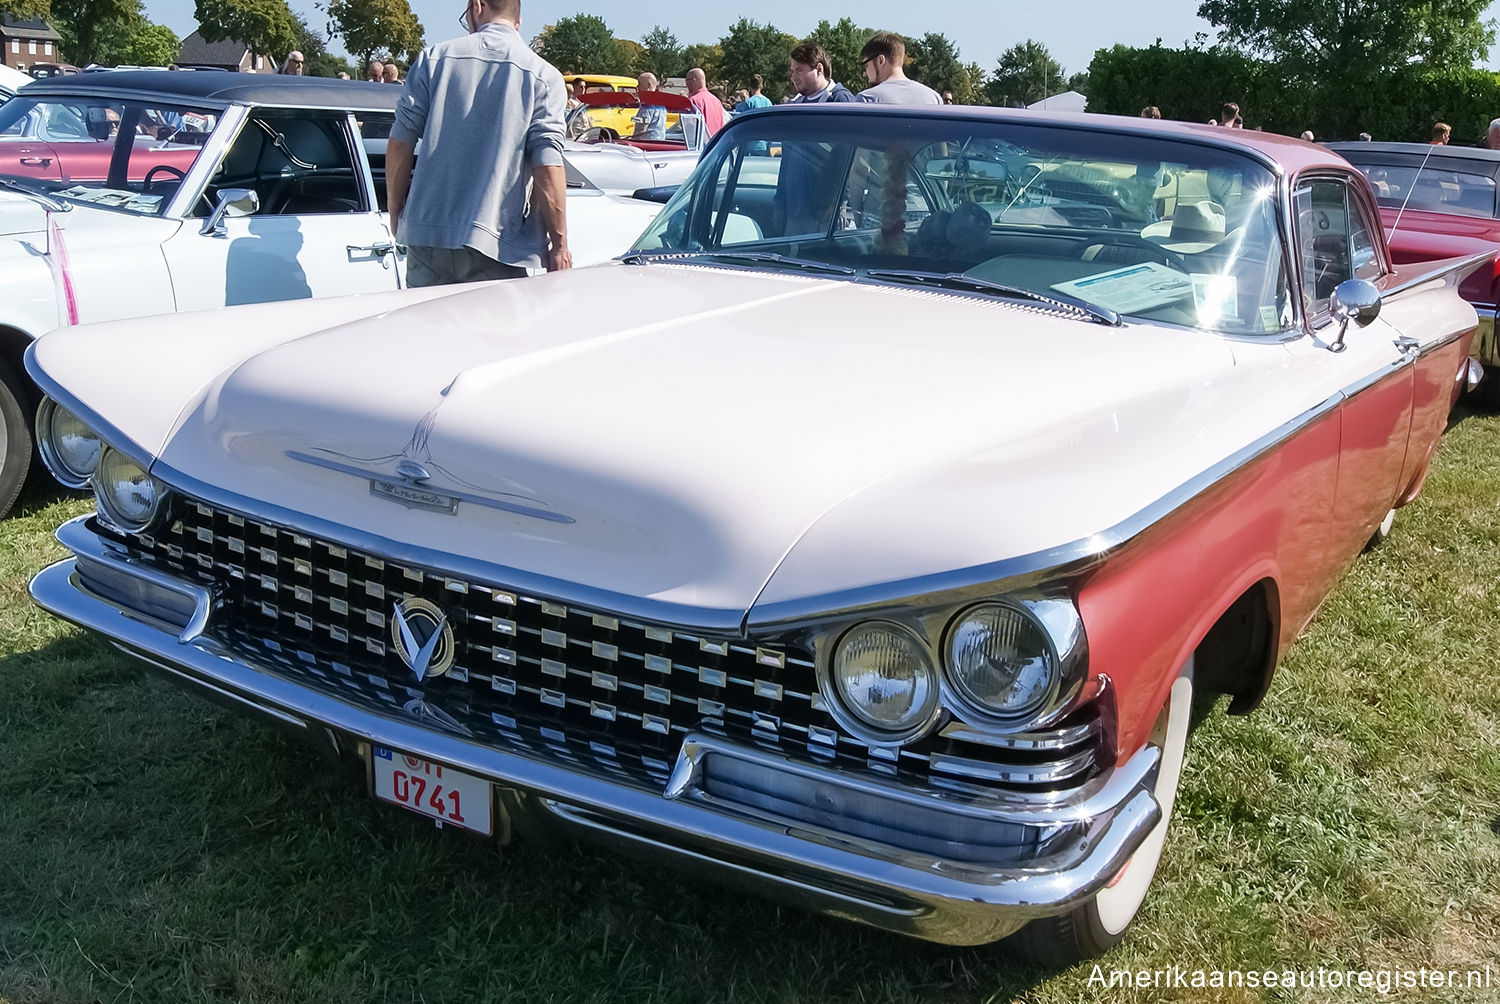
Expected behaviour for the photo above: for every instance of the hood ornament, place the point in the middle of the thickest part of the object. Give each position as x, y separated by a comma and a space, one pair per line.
414, 467
412, 472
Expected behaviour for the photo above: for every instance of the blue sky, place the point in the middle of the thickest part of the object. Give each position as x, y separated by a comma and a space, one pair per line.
982, 29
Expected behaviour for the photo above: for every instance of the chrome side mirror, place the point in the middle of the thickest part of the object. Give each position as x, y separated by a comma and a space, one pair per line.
232, 202
1354, 300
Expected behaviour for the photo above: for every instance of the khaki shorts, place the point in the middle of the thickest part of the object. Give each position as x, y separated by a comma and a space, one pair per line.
441, 266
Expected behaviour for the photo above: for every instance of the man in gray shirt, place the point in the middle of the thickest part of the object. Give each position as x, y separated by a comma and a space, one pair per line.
884, 57
489, 114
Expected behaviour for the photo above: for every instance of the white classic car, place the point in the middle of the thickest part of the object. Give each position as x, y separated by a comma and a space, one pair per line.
132, 193
877, 565
604, 147
11, 81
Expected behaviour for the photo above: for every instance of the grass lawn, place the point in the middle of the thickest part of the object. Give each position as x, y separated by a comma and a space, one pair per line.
157, 848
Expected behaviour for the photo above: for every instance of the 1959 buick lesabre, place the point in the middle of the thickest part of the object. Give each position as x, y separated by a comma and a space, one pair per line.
876, 565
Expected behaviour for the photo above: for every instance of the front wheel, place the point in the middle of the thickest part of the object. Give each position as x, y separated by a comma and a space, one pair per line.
1098, 925
15, 438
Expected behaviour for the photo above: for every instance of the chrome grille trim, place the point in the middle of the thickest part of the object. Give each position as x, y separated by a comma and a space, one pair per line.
317, 612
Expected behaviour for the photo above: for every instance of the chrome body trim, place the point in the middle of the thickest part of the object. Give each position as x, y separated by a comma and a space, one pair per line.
956, 902
90, 547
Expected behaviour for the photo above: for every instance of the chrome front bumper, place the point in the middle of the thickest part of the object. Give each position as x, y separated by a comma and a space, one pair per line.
943, 900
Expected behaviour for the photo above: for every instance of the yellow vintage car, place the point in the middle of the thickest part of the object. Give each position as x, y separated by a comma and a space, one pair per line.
618, 119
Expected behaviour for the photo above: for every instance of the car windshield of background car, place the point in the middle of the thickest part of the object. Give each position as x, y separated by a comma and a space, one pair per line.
118, 154
1144, 226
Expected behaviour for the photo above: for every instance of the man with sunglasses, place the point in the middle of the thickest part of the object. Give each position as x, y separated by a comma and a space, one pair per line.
883, 57
489, 114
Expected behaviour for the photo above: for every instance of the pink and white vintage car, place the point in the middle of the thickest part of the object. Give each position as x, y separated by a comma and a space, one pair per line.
875, 561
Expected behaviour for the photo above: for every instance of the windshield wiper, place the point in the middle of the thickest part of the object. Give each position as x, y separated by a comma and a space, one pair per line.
46, 200
969, 283
743, 258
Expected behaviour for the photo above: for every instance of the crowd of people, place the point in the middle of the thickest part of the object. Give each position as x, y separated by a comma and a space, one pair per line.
462, 227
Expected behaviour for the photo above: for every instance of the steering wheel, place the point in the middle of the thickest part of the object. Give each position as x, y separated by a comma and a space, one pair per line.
598, 134
1166, 255
177, 175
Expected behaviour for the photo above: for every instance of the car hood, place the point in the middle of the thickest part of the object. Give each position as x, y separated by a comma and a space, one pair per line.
663, 436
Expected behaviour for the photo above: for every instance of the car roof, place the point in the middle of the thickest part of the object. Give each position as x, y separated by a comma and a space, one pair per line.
225, 88
1354, 150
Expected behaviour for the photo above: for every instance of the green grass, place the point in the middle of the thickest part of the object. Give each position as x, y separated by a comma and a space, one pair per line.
157, 848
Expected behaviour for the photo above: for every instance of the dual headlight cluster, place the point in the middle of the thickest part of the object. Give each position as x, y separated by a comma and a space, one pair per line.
127, 496
1005, 666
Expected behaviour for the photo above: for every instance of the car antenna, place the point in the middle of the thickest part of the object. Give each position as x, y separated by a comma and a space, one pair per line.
1396, 225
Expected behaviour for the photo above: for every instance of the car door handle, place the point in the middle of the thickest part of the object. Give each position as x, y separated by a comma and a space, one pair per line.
1409, 346
380, 249
36, 161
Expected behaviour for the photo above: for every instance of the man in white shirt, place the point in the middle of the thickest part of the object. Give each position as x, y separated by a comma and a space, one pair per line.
883, 57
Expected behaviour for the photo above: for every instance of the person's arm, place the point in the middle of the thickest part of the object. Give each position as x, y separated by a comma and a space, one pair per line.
399, 159
401, 146
549, 197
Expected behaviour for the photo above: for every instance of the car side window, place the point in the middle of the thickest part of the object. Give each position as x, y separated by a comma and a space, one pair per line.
1334, 242
299, 164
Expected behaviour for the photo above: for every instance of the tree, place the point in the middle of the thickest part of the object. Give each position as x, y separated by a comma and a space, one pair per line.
1348, 41
842, 42
368, 27
92, 30
1079, 82
708, 58
1025, 73
25, 10
970, 89
149, 44
933, 59
266, 26
582, 44
751, 48
662, 54
633, 53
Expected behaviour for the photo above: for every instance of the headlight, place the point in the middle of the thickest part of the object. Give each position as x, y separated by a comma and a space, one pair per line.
883, 677
69, 448
128, 497
1002, 663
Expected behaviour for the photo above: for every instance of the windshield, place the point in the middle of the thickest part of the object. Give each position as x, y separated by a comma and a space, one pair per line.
1138, 225
122, 154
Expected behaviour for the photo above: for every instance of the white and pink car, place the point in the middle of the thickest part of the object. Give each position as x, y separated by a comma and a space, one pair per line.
875, 559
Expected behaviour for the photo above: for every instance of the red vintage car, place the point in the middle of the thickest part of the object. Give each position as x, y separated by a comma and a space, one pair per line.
1436, 202
63, 142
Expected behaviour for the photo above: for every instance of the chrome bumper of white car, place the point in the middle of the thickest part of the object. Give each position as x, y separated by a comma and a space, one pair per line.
1083, 838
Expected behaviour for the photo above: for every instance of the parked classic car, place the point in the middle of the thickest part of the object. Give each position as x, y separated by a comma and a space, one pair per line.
131, 193
1438, 201
11, 81
603, 147
877, 565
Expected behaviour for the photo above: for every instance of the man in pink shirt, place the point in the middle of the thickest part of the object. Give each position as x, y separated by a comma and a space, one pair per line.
703, 99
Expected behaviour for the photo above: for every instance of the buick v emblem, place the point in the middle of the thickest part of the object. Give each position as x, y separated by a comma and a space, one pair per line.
422, 637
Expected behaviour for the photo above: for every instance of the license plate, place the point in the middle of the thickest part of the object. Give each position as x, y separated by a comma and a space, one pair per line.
451, 797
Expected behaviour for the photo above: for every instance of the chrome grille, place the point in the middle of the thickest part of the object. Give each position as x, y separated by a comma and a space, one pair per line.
556, 679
